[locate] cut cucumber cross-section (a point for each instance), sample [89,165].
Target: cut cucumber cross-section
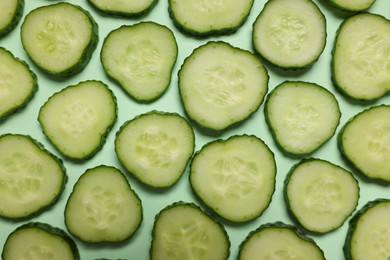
[234,177]
[11,12]
[60,38]
[131,9]
[140,58]
[205,17]
[103,207]
[353,5]
[78,118]
[18,83]
[361,60]
[183,231]
[320,196]
[31,178]
[221,85]
[302,116]
[155,147]
[290,34]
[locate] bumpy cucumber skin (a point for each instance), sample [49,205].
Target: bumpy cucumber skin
[208,206]
[333,73]
[347,9]
[211,32]
[146,114]
[292,68]
[15,19]
[187,204]
[278,225]
[349,160]
[84,58]
[28,98]
[55,231]
[103,136]
[123,13]
[354,221]
[286,199]
[272,131]
[64,180]
[141,101]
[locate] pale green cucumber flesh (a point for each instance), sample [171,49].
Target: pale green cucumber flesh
[353,5]
[130,9]
[11,12]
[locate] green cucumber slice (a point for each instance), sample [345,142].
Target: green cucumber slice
[78,118]
[320,195]
[31,178]
[360,60]
[155,147]
[140,58]
[205,18]
[59,38]
[353,5]
[11,12]
[130,9]
[221,85]
[103,207]
[367,236]
[18,84]
[364,142]
[279,241]
[38,241]
[290,34]
[234,177]
[183,231]
[302,116]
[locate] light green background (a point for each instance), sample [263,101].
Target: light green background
[25,122]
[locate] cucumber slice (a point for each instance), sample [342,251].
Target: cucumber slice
[18,84]
[367,236]
[302,116]
[78,118]
[103,207]
[234,177]
[221,85]
[140,58]
[11,12]
[364,142]
[290,34]
[31,178]
[183,231]
[279,241]
[37,241]
[320,196]
[155,147]
[205,18]
[59,38]
[130,9]
[360,61]
[353,5]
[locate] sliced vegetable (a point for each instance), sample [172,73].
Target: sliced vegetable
[368,233]
[320,195]
[140,58]
[279,241]
[290,34]
[131,9]
[37,241]
[103,207]
[11,12]
[234,177]
[155,147]
[78,118]
[221,85]
[302,116]
[59,38]
[364,142]
[18,84]
[31,178]
[353,5]
[205,18]
[360,61]
[183,231]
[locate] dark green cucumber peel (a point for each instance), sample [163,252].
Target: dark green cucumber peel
[15,19]
[125,14]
